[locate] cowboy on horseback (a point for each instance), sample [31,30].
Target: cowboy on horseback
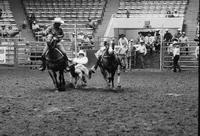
[98,55]
[54,34]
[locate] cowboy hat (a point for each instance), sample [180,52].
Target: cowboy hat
[81,52]
[58,20]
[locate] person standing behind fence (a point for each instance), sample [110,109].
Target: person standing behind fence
[149,42]
[184,42]
[178,34]
[129,54]
[141,51]
[170,49]
[167,37]
[176,56]
[140,37]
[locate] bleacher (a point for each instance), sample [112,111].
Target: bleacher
[71,11]
[151,8]
[7,18]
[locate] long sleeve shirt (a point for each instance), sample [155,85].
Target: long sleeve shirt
[123,41]
[81,60]
[141,49]
[176,51]
[183,39]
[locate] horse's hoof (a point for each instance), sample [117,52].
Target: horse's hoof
[119,86]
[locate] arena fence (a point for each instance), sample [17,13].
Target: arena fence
[20,54]
[17,53]
[187,61]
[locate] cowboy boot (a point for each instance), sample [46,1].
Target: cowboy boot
[43,65]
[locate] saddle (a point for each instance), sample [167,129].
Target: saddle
[54,55]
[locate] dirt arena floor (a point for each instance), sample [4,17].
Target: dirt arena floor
[150,104]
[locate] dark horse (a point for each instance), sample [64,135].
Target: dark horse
[56,63]
[110,63]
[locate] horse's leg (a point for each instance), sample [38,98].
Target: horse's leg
[53,78]
[105,76]
[118,76]
[112,79]
[56,81]
[62,80]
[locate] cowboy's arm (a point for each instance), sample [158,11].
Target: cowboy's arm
[120,42]
[82,61]
[145,50]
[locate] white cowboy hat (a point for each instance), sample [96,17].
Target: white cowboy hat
[81,52]
[58,20]
[166,29]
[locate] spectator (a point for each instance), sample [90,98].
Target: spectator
[140,37]
[157,43]
[123,41]
[72,39]
[184,42]
[176,56]
[80,35]
[35,27]
[32,19]
[167,37]
[171,48]
[178,34]
[3,32]
[127,13]
[86,39]
[91,38]
[92,23]
[11,32]
[129,53]
[1,12]
[149,42]
[176,13]
[24,24]
[141,51]
[169,13]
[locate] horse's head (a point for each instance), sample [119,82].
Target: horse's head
[109,48]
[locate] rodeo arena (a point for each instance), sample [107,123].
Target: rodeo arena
[99,67]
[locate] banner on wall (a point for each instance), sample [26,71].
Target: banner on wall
[2,55]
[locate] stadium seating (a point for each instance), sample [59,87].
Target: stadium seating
[7,16]
[151,8]
[71,11]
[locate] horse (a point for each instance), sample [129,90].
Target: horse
[56,63]
[109,64]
